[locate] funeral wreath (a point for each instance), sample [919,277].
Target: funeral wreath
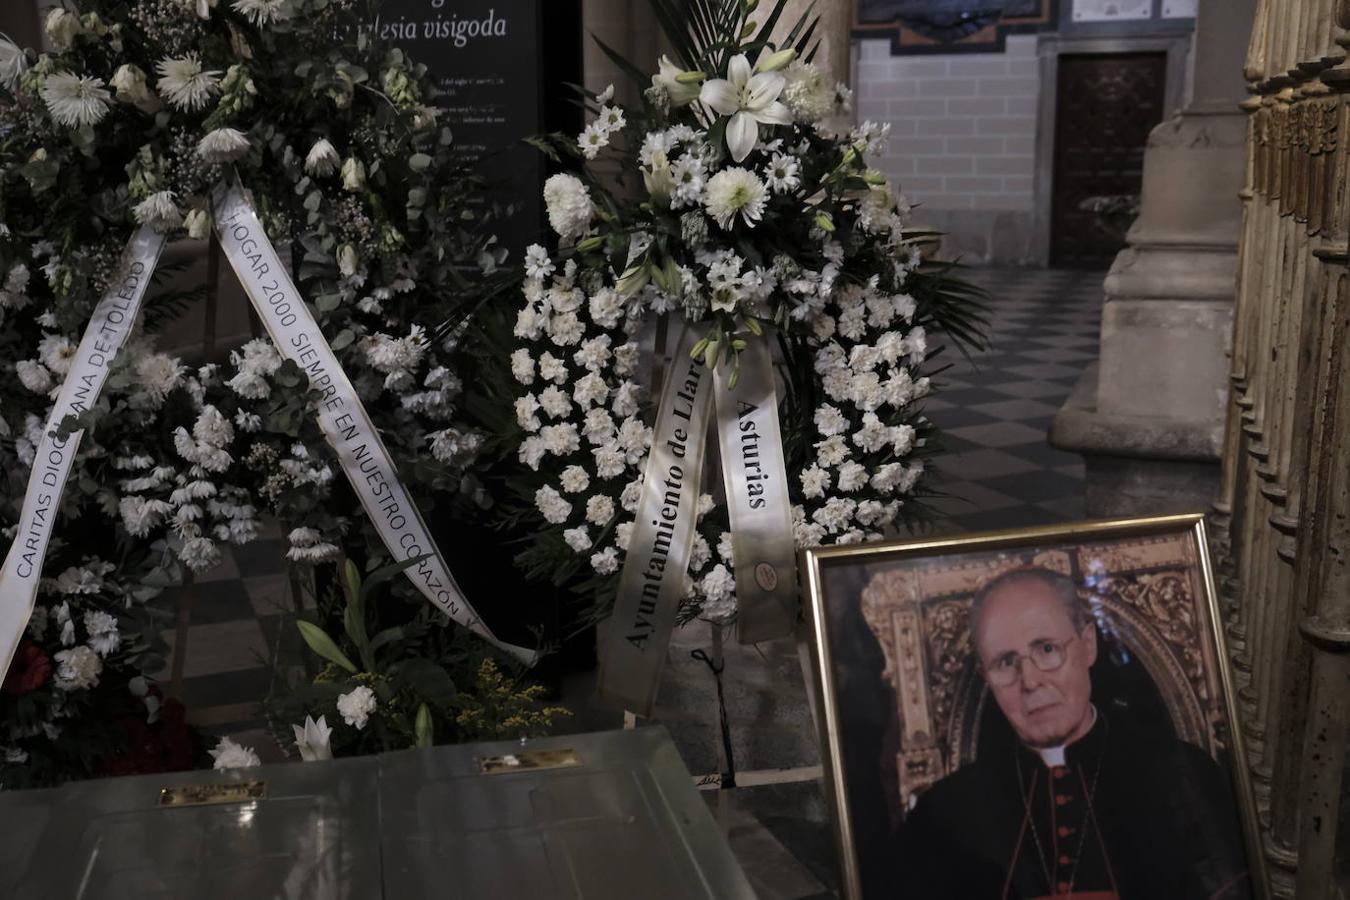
[759,229]
[119,139]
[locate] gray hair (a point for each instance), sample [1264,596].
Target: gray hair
[1062,586]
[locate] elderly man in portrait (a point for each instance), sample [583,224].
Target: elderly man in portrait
[1085,803]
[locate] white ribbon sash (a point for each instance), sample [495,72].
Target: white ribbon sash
[107,331]
[655,567]
[757,497]
[342,418]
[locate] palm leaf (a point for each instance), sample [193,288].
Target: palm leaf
[632,71]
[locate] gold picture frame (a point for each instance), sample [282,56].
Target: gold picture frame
[1157,657]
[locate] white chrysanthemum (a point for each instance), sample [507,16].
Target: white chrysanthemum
[808,92]
[593,139]
[569,205]
[34,375]
[13,63]
[259,12]
[356,706]
[157,374]
[611,118]
[75,100]
[77,668]
[185,85]
[322,159]
[253,363]
[140,514]
[223,145]
[307,545]
[159,212]
[732,192]
[783,174]
[229,755]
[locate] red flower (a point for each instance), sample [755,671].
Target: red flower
[29,671]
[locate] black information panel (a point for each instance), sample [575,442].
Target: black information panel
[485,56]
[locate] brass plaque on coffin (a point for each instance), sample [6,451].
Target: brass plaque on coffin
[202,794]
[528,761]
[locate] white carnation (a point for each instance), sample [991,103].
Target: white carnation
[830,421]
[815,481]
[561,440]
[77,668]
[606,562]
[356,706]
[852,477]
[569,206]
[34,376]
[522,366]
[552,506]
[104,636]
[578,538]
[599,510]
[574,479]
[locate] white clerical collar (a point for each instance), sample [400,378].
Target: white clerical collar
[1055,756]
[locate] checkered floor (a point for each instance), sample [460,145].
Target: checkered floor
[994,410]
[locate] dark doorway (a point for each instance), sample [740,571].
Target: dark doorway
[1107,105]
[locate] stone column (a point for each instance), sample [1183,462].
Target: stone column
[1149,418]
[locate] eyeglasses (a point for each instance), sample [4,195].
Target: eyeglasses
[1045,655]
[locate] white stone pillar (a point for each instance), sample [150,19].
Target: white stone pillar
[1149,417]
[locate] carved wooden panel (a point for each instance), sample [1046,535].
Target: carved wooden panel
[1107,105]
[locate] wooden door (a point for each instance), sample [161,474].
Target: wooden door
[1107,105]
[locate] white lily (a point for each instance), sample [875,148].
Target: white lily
[312,740]
[681,93]
[750,99]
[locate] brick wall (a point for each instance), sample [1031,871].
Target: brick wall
[963,140]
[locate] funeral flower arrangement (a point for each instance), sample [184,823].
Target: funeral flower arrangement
[757,216]
[401,686]
[142,109]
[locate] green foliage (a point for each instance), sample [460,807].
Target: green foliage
[430,685]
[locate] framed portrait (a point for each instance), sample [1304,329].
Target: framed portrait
[1038,713]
